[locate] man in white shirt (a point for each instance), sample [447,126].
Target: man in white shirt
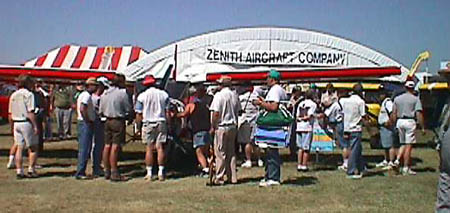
[271,103]
[354,116]
[388,135]
[247,126]
[25,130]
[224,119]
[305,123]
[151,108]
[86,117]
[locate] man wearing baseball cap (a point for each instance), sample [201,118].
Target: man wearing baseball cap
[86,117]
[271,103]
[407,108]
[224,119]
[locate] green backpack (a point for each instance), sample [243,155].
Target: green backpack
[280,118]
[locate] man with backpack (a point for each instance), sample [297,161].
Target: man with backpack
[388,135]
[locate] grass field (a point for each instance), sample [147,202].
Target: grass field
[324,189]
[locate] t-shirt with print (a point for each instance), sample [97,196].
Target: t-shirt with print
[306,107]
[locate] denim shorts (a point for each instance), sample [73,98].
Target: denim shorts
[304,140]
[201,138]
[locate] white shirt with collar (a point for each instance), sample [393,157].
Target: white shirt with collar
[226,103]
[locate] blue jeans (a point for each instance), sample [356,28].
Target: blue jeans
[99,143]
[273,165]
[355,160]
[85,136]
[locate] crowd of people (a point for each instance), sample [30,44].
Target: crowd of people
[225,120]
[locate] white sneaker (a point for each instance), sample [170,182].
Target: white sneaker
[247,164]
[408,171]
[355,177]
[260,163]
[383,163]
[301,168]
[11,165]
[268,183]
[342,167]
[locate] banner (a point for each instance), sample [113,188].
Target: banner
[301,57]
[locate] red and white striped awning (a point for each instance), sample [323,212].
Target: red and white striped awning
[88,58]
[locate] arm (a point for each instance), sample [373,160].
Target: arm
[187,111]
[214,121]
[269,106]
[419,116]
[84,113]
[32,118]
[11,123]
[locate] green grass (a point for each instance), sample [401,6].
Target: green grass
[322,190]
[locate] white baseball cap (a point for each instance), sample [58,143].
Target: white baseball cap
[410,84]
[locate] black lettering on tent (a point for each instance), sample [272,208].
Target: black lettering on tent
[271,57]
[209,57]
[310,57]
[224,56]
[329,58]
[301,57]
[249,58]
[239,57]
[257,57]
[216,55]
[279,58]
[265,57]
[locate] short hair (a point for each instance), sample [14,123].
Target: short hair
[24,80]
[117,80]
[309,94]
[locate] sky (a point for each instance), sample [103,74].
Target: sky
[399,29]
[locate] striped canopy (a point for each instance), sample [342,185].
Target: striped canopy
[88,58]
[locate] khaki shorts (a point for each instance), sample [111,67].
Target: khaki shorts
[24,134]
[406,131]
[154,132]
[246,132]
[115,131]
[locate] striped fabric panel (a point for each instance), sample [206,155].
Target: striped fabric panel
[116,57]
[125,56]
[51,56]
[70,57]
[135,53]
[88,58]
[40,60]
[31,63]
[79,58]
[62,53]
[98,58]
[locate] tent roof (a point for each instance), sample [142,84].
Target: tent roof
[189,51]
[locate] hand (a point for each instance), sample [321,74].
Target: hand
[211,131]
[35,130]
[259,101]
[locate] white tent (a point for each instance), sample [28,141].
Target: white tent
[259,47]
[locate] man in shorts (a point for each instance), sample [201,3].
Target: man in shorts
[247,126]
[388,135]
[199,117]
[115,106]
[407,108]
[152,110]
[25,129]
[305,122]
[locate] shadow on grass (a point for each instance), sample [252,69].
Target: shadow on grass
[301,181]
[57,174]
